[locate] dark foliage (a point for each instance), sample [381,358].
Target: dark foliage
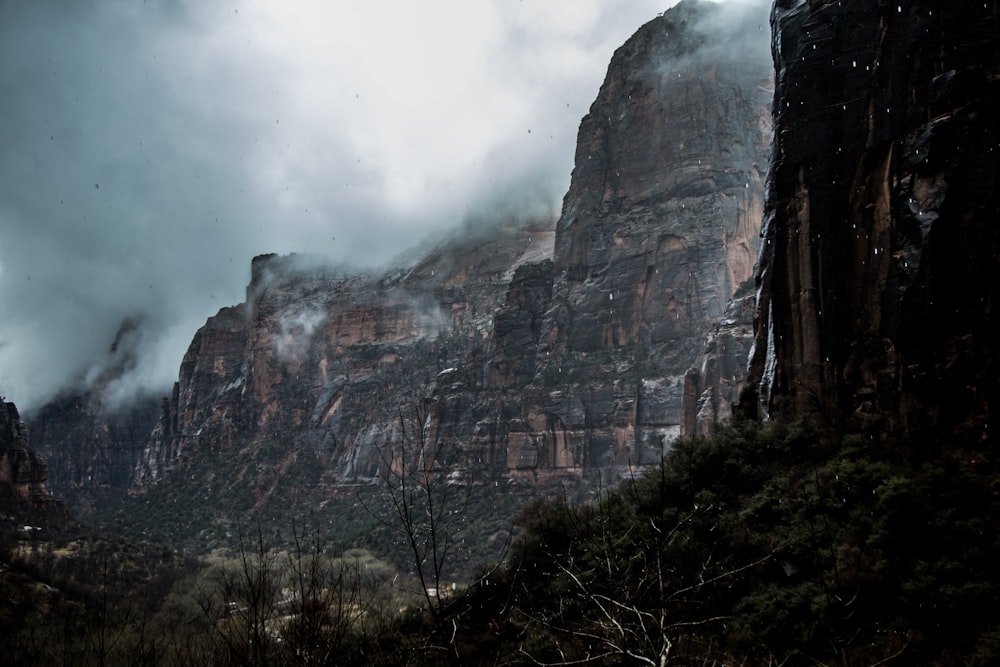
[755,546]
[761,546]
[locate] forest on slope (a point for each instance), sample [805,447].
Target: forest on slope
[755,545]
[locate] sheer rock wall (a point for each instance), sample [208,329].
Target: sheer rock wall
[881,263]
[22,472]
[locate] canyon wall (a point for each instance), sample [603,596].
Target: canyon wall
[881,262]
[523,353]
[22,472]
[324,365]
[518,366]
[658,230]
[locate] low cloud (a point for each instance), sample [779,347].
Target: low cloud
[295,332]
[741,31]
[732,33]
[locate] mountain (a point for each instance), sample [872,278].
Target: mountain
[658,230]
[881,263]
[325,364]
[89,440]
[854,519]
[528,354]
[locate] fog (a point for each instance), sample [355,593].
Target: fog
[151,149]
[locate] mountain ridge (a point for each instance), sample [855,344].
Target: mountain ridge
[531,353]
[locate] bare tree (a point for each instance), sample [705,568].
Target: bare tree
[299,606]
[427,503]
[622,599]
[330,600]
[422,505]
[241,607]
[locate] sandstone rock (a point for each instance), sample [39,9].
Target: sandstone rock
[325,365]
[660,224]
[714,385]
[91,438]
[22,472]
[881,257]
[534,351]
[517,326]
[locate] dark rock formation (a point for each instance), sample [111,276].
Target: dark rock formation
[90,447]
[517,326]
[22,472]
[91,438]
[881,262]
[714,385]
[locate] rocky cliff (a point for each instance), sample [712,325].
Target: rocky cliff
[881,263]
[714,385]
[323,364]
[530,352]
[658,230]
[91,439]
[584,361]
[22,473]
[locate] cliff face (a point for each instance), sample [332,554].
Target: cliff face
[715,383]
[90,447]
[322,366]
[529,352]
[22,473]
[661,222]
[524,367]
[89,439]
[881,262]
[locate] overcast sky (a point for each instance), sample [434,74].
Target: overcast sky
[150,149]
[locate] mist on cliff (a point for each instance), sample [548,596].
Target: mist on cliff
[151,149]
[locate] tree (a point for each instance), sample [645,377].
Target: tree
[241,606]
[330,602]
[427,501]
[611,581]
[422,505]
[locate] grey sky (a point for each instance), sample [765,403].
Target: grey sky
[150,149]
